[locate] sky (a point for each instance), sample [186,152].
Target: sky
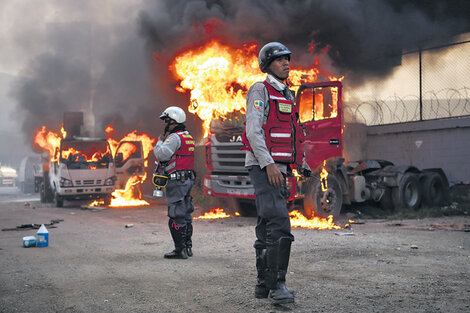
[66,55]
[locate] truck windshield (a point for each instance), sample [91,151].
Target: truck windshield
[233,122]
[85,154]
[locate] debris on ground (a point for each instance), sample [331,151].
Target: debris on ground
[395,224]
[345,234]
[93,208]
[34,226]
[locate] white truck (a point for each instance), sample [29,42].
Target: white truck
[84,169]
[8,176]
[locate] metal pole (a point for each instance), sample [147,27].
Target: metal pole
[420,85]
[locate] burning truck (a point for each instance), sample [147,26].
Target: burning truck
[100,169]
[333,182]
[217,97]
[78,167]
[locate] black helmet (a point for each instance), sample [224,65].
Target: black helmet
[270,52]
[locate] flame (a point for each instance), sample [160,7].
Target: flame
[131,195]
[299,220]
[48,141]
[218,77]
[147,143]
[319,103]
[127,196]
[296,174]
[214,214]
[323,178]
[63,132]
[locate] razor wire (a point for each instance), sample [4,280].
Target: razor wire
[445,103]
[438,88]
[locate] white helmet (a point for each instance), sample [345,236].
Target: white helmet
[174,113]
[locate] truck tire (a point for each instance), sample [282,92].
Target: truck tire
[59,201]
[106,200]
[323,204]
[246,207]
[42,193]
[432,189]
[408,193]
[386,202]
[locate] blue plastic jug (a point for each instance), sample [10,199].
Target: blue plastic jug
[43,237]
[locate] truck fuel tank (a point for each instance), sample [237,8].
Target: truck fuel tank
[359,190]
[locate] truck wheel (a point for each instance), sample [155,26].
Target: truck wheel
[246,207]
[59,201]
[106,200]
[323,204]
[42,193]
[408,194]
[432,189]
[386,202]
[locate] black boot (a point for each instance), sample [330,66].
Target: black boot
[278,255]
[261,291]
[189,242]
[179,238]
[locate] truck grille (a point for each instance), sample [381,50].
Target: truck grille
[227,156]
[88,182]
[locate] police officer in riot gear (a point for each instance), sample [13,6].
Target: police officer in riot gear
[272,138]
[175,153]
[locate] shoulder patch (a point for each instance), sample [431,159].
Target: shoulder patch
[258,104]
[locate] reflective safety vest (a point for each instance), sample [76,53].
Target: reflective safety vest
[284,136]
[183,159]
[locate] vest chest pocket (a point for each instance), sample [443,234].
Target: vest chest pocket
[285,108]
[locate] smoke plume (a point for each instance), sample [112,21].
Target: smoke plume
[114,59]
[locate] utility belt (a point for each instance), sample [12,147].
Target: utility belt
[182,175]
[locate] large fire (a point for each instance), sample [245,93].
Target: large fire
[214,213]
[147,143]
[131,194]
[49,141]
[218,77]
[297,219]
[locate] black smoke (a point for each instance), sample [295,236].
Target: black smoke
[121,70]
[362,38]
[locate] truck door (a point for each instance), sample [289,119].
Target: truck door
[129,160]
[320,115]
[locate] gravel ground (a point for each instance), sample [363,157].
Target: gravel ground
[95,264]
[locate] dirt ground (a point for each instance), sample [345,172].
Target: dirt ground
[95,264]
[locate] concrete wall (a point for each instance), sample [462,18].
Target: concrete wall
[427,144]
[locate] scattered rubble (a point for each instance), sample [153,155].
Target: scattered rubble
[34,226]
